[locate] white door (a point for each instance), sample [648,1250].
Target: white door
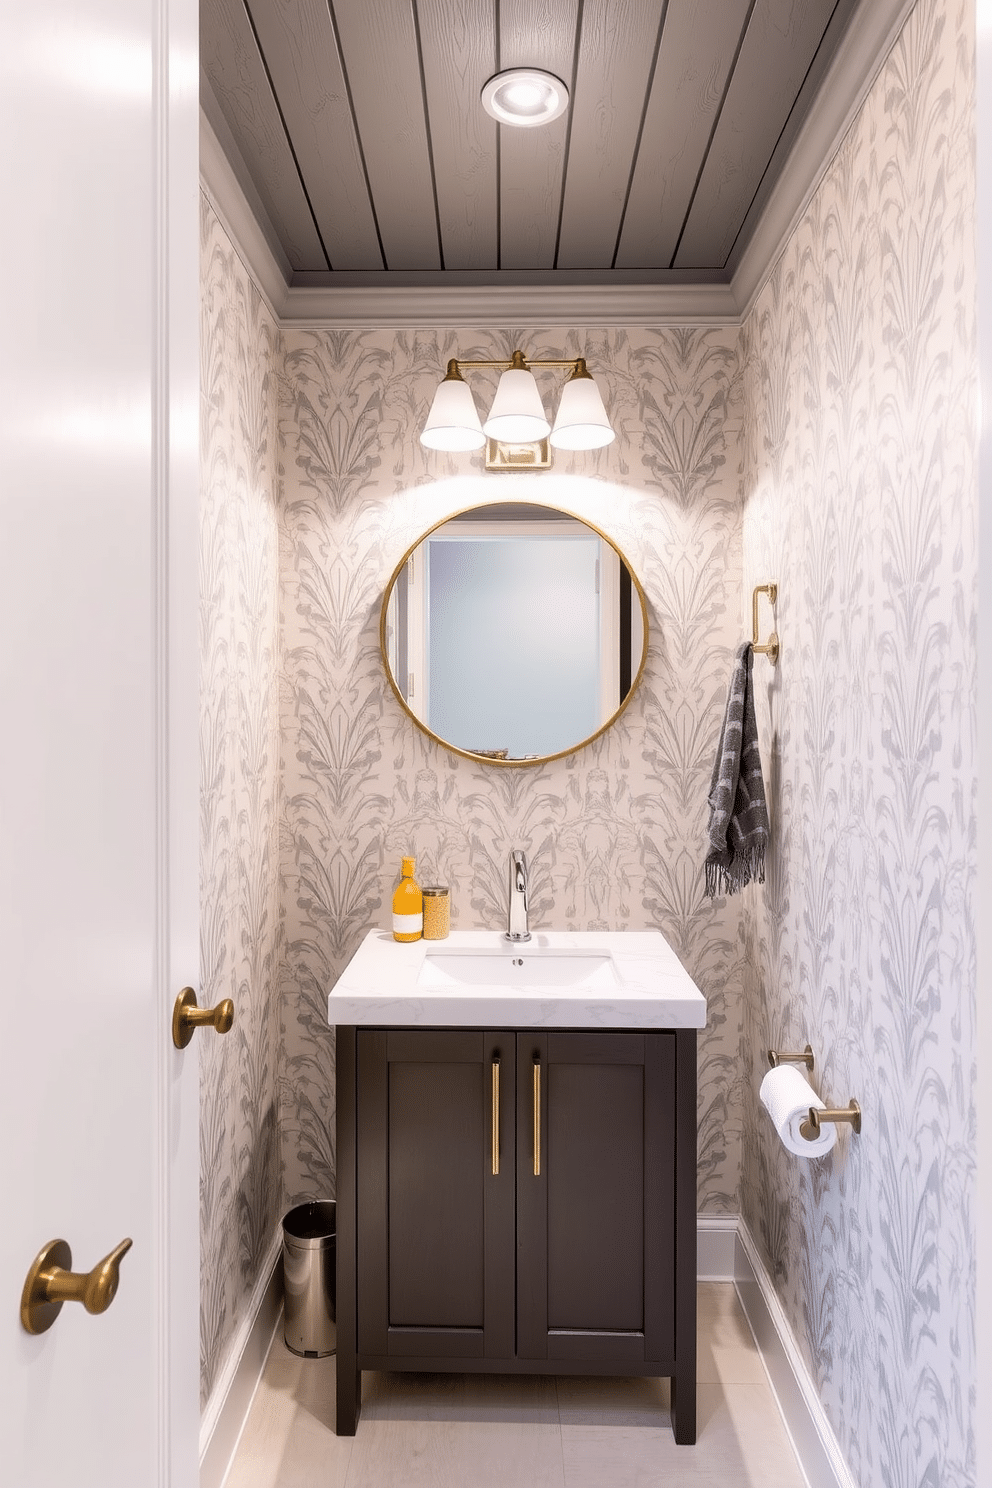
[98,699]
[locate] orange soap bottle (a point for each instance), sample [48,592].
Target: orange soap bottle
[408,905]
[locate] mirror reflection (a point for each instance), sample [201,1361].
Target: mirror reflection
[513,632]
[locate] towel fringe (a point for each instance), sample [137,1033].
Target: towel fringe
[743,868]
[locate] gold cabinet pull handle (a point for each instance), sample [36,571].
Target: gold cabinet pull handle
[537,1115]
[187,1017]
[50,1283]
[495,1115]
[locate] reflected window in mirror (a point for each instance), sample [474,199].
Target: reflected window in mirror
[514,632]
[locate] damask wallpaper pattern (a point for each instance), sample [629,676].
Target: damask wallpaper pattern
[860,487]
[828,445]
[612,834]
[240,1181]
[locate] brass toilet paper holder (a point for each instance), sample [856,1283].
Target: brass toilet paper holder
[778,1056]
[810,1128]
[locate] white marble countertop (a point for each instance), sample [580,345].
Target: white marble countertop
[619,979]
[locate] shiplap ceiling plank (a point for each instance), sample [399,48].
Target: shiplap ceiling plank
[381,60]
[459,45]
[698,46]
[231,61]
[616,50]
[781,41]
[531,161]
[300,51]
[840,23]
[361,126]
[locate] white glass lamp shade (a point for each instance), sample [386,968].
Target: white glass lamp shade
[581,423]
[453,422]
[517,415]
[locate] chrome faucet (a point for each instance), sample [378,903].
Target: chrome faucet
[516,928]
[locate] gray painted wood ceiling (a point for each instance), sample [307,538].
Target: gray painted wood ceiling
[360,125]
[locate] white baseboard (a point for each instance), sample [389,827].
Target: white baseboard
[805,1420]
[716,1247]
[725,1252]
[226,1410]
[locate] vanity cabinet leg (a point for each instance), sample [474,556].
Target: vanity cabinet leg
[684,1410]
[349,1376]
[349,1398]
[684,1379]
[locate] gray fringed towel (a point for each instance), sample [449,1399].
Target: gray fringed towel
[738,830]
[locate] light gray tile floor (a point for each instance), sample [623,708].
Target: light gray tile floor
[517,1431]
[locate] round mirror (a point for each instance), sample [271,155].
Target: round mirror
[513,633]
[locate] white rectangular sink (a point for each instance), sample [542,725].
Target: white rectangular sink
[518,968]
[479,979]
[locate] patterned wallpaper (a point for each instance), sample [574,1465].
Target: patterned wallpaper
[861,501]
[240,1184]
[842,414]
[613,835]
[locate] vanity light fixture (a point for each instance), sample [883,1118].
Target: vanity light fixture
[525,97]
[517,415]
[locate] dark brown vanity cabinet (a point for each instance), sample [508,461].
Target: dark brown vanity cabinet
[516,1200]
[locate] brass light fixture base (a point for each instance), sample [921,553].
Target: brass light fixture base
[500,456]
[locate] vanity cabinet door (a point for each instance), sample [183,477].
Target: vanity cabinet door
[596,1197]
[435,1221]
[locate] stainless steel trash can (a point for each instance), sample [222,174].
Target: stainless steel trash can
[308,1260]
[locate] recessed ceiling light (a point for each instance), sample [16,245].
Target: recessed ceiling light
[525,97]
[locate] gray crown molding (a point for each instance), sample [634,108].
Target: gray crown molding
[387,301]
[857,62]
[457,305]
[225,181]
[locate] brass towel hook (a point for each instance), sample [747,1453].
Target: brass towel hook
[771,647]
[50,1283]
[187,1017]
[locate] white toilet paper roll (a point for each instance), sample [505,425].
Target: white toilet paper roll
[787,1097]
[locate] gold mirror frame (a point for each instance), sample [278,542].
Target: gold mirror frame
[483,759]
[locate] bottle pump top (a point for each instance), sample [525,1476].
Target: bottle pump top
[407,867]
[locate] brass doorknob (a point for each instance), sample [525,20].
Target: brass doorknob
[187,1017]
[50,1283]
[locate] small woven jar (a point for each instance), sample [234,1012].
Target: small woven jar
[437,912]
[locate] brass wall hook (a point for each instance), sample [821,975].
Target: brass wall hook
[771,647]
[778,1056]
[810,1128]
[50,1283]
[187,1017]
